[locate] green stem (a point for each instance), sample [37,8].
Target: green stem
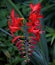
[14,6]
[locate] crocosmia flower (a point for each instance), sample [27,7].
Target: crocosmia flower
[36,7]
[34,24]
[15,23]
[26,43]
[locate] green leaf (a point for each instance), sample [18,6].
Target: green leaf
[54,51]
[48,35]
[44,43]
[23,63]
[7,54]
[38,59]
[48,29]
[52,39]
[2,45]
[3,22]
[47,7]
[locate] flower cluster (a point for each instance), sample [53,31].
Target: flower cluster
[16,23]
[33,25]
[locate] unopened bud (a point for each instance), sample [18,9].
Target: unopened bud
[23,52]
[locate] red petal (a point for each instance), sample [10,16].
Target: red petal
[31,6]
[33,42]
[36,7]
[32,47]
[21,49]
[33,38]
[14,29]
[20,46]
[15,38]
[12,13]
[19,42]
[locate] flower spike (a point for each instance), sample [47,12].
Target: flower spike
[26,44]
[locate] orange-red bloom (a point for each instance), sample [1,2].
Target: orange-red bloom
[36,7]
[35,16]
[34,24]
[16,23]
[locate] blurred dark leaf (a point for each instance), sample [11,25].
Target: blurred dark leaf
[7,54]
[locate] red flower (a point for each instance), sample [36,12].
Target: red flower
[35,16]
[34,25]
[36,32]
[36,7]
[33,42]
[32,47]
[31,30]
[18,43]
[16,38]
[32,38]
[37,36]
[16,23]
